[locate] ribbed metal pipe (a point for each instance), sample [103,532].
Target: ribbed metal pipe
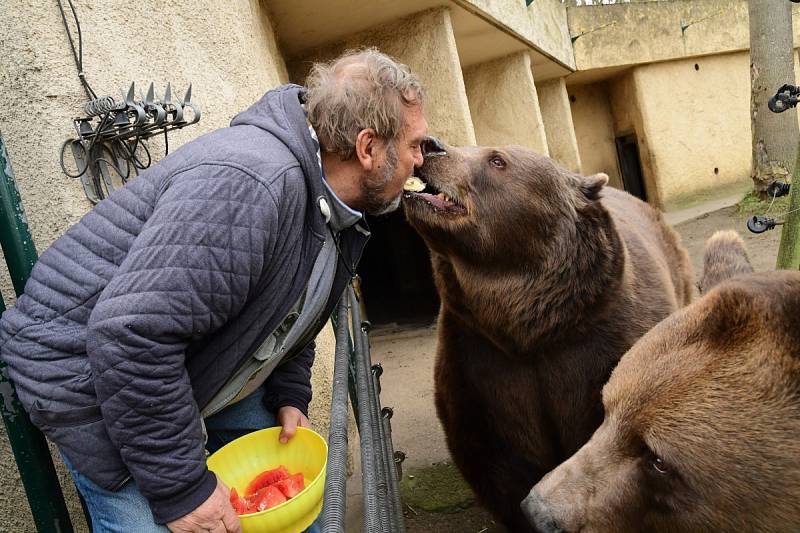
[365,424]
[335,502]
[381,470]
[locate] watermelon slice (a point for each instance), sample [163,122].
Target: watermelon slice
[267,498]
[266,478]
[239,504]
[291,486]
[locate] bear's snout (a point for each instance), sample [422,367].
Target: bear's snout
[538,514]
[432,147]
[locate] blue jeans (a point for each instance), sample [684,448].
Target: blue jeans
[127,511]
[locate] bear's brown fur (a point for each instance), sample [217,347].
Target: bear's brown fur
[702,424]
[724,256]
[546,278]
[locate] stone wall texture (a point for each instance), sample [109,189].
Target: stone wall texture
[503,103]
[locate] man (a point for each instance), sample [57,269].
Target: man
[195,292]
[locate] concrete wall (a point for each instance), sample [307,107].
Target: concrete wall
[227,50]
[635,33]
[627,114]
[503,103]
[696,121]
[543,23]
[690,118]
[559,128]
[594,130]
[426,44]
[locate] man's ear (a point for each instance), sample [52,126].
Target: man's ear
[592,185]
[366,144]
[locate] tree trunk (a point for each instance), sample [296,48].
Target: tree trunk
[771,65]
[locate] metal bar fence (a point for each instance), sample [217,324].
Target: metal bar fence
[380,479]
[28,444]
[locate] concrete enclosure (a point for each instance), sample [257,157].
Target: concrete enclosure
[558,126]
[504,104]
[655,94]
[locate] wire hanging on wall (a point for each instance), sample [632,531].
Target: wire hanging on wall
[111,138]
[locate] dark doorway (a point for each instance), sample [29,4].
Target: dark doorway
[396,276]
[630,165]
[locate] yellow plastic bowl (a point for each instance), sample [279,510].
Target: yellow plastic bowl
[238,462]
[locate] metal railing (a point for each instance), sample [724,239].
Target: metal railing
[28,444]
[380,478]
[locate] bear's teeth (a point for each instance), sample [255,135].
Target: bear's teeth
[440,196]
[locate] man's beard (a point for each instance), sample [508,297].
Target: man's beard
[374,185]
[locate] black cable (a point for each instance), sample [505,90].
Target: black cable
[137,163]
[64,166]
[77,55]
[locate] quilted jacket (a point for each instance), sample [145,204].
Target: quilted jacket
[137,315]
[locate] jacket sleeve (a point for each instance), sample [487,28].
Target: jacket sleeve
[290,383]
[188,272]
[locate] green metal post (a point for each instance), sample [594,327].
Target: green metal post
[28,444]
[789,249]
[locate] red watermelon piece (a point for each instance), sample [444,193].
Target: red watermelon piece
[267,498]
[291,486]
[266,478]
[239,504]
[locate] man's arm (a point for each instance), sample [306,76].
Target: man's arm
[289,385]
[187,273]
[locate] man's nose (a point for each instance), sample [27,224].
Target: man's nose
[432,147]
[538,514]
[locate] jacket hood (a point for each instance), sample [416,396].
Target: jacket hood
[280,113]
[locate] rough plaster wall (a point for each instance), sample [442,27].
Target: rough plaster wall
[594,130]
[503,103]
[696,121]
[226,49]
[559,128]
[425,43]
[627,34]
[627,114]
[543,23]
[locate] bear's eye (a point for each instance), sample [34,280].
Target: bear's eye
[497,161]
[658,464]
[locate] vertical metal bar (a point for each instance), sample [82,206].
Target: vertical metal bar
[377,438]
[368,467]
[789,249]
[28,444]
[15,236]
[335,500]
[392,477]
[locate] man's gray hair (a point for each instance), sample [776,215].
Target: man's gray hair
[361,89]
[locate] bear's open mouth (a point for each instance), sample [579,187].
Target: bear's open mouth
[439,200]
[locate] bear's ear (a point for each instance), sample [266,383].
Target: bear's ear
[592,185]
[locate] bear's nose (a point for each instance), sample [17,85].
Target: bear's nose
[538,514]
[431,147]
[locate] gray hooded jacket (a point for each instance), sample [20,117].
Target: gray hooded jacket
[135,318]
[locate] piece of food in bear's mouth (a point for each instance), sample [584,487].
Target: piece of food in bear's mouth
[414,184]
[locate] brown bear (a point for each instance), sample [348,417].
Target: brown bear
[702,423]
[546,278]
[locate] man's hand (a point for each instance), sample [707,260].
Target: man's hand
[290,418]
[215,515]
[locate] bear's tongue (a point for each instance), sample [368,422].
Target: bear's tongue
[440,201]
